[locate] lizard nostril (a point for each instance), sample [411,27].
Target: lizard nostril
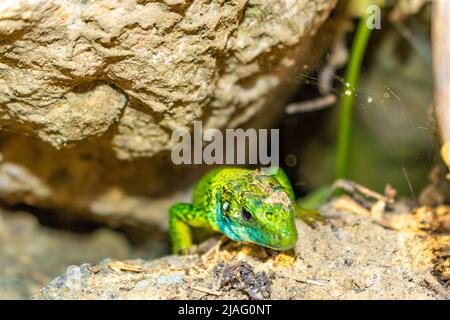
[278,237]
[269,215]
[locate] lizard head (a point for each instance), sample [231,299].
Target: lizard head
[257,209]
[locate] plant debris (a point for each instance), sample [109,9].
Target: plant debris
[241,276]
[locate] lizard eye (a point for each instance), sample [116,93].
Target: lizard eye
[246,215]
[226,207]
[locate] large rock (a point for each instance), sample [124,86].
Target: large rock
[113,79]
[72,69]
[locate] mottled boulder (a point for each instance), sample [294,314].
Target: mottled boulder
[90,91]
[71,70]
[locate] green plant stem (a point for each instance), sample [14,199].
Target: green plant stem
[346,104]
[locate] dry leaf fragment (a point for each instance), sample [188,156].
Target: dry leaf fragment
[206,290]
[345,203]
[119,266]
[95,269]
[316,282]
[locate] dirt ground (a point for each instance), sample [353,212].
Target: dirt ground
[354,254]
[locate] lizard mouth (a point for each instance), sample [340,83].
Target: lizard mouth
[284,240]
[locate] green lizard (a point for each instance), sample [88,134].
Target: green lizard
[245,205]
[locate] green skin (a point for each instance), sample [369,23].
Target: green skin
[245,205]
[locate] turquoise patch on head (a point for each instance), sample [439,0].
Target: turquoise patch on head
[223,222]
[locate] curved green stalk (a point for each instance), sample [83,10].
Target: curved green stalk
[348,94]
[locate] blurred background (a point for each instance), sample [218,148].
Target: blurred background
[99,186]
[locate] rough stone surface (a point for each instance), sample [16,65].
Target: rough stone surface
[90,91]
[71,69]
[350,256]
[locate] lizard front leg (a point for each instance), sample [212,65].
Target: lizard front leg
[183,217]
[180,232]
